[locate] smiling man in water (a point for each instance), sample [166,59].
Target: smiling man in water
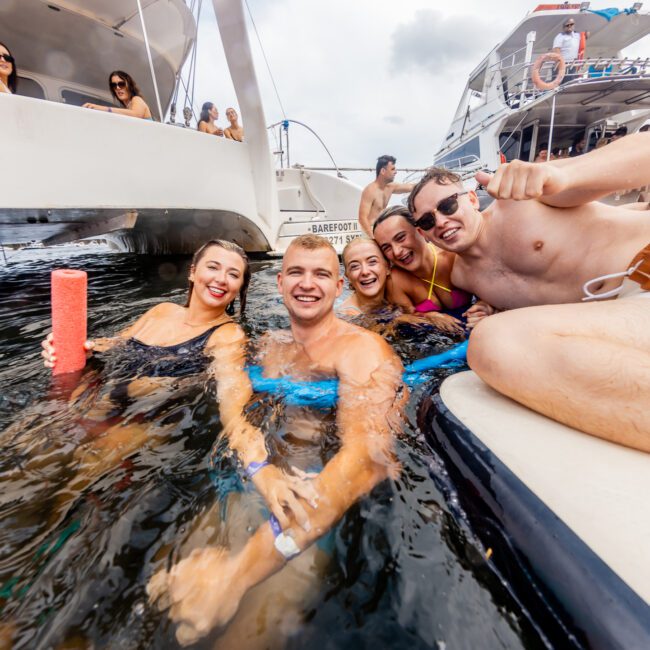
[205,589]
[547,245]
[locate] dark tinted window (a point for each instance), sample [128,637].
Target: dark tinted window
[464,155]
[509,144]
[79,99]
[29,88]
[526,141]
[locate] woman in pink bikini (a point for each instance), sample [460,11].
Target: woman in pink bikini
[420,279]
[369,275]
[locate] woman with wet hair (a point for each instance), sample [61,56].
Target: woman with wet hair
[127,94]
[7,71]
[159,356]
[209,115]
[369,275]
[367,270]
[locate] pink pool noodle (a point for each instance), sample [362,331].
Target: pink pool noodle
[69,319]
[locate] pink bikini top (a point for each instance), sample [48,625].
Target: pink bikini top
[459,298]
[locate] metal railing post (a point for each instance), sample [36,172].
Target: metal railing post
[153,72]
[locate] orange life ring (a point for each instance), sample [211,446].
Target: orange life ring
[539,61]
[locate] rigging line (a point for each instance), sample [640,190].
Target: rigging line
[268,67]
[198,17]
[186,94]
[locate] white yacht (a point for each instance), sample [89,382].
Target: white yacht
[505,115]
[74,173]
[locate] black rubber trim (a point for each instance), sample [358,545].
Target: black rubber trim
[601,605]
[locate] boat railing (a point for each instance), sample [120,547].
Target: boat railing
[459,163]
[519,90]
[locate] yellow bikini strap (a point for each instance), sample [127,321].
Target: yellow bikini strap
[433,275]
[432,283]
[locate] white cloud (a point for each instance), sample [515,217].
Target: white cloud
[369,76]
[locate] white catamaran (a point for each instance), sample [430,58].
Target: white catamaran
[148,186]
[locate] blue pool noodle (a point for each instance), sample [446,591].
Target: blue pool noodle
[324,393]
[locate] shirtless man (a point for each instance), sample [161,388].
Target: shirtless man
[205,589]
[546,245]
[375,196]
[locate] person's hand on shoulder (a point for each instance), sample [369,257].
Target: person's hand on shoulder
[49,350]
[520,180]
[284,494]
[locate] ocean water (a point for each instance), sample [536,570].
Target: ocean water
[404,568]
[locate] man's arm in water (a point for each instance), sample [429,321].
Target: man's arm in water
[365,208]
[622,165]
[234,390]
[370,377]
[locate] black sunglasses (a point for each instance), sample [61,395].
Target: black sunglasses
[7,57]
[118,84]
[447,207]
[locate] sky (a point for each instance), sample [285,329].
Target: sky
[370,77]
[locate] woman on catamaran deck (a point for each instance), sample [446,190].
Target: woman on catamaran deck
[235,131]
[209,115]
[8,72]
[126,92]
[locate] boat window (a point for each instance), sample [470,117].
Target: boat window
[29,88]
[463,155]
[526,143]
[79,99]
[509,144]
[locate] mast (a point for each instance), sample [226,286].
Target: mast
[234,36]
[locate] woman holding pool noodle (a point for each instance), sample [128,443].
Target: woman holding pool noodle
[170,343]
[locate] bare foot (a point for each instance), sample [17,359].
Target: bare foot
[203,591]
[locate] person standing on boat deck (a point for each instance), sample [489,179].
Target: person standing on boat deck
[7,71]
[567,43]
[548,246]
[126,92]
[376,195]
[209,115]
[235,131]
[205,589]
[420,277]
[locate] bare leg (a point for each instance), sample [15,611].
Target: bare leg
[585,365]
[275,609]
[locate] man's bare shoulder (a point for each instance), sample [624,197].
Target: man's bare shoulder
[359,352]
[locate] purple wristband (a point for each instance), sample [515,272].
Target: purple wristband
[255,467]
[275,525]
[110,110]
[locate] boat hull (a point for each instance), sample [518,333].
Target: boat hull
[561,510]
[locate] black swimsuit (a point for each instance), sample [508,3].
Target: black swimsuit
[180,360]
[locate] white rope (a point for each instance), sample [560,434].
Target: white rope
[268,67]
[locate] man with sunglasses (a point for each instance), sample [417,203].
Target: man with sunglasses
[376,195]
[567,43]
[548,246]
